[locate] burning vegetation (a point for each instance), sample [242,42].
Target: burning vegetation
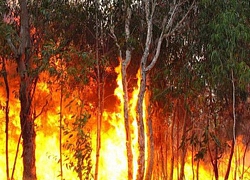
[137,90]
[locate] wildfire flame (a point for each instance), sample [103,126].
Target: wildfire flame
[113,156]
[113,160]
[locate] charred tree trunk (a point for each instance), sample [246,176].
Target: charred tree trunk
[244,158]
[177,141]
[230,160]
[27,128]
[60,129]
[16,155]
[215,164]
[183,147]
[197,169]
[171,176]
[99,112]
[26,92]
[214,160]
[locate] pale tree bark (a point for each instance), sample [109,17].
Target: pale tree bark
[124,65]
[150,142]
[169,26]
[234,128]
[26,92]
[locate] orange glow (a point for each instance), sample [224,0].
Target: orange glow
[113,159]
[113,156]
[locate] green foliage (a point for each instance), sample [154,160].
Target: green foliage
[7,31]
[78,144]
[224,37]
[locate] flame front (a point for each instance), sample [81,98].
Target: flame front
[113,156]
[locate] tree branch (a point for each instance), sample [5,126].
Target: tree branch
[149,18]
[127,32]
[166,31]
[42,110]
[112,31]
[178,25]
[12,47]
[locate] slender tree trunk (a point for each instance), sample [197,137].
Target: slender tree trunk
[124,64]
[183,158]
[230,160]
[4,72]
[171,176]
[234,132]
[16,155]
[60,130]
[193,162]
[216,170]
[197,169]
[99,111]
[26,93]
[127,122]
[193,172]
[214,161]
[161,160]
[99,119]
[150,144]
[140,124]
[166,147]
[141,94]
[177,141]
[244,158]
[213,155]
[149,171]
[183,147]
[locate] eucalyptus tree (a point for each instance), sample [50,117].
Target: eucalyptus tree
[175,86]
[23,56]
[73,41]
[4,54]
[34,32]
[159,22]
[223,45]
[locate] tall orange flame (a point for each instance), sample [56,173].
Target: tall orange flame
[113,156]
